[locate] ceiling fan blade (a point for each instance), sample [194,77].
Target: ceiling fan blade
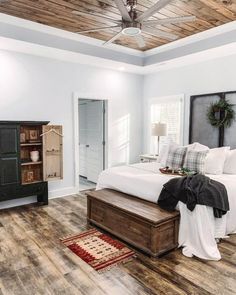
[123,10]
[159,33]
[116,36]
[97,29]
[76,12]
[172,20]
[140,41]
[152,10]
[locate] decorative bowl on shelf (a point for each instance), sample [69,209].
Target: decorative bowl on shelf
[34,156]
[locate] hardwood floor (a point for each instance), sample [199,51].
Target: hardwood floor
[33,261]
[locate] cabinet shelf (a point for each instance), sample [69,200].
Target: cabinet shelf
[36,181]
[54,177]
[31,144]
[52,153]
[31,163]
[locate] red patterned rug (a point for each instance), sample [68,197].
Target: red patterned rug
[97,249]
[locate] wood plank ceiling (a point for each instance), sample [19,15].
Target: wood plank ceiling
[58,13]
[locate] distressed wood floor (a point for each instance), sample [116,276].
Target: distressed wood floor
[33,261]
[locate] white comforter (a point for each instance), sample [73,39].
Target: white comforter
[198,229]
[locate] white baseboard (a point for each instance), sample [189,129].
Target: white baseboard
[63,192]
[51,195]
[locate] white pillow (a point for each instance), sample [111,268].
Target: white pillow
[165,151]
[215,160]
[200,147]
[230,162]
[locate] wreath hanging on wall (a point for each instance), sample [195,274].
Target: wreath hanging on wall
[221,114]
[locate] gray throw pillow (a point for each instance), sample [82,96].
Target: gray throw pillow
[176,157]
[195,161]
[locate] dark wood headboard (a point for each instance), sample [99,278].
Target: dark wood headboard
[200,130]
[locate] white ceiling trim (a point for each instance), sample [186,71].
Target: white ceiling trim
[24,36]
[194,58]
[69,56]
[193,38]
[14,45]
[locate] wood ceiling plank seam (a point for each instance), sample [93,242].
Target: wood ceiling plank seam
[71,15]
[168,13]
[206,22]
[200,19]
[203,10]
[188,25]
[219,8]
[194,24]
[163,15]
[84,21]
[177,27]
[28,14]
[70,8]
[59,25]
[111,12]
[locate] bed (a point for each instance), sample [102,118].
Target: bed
[199,229]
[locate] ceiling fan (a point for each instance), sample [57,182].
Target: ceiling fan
[133,24]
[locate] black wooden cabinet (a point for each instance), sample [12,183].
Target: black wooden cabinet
[19,176]
[9,155]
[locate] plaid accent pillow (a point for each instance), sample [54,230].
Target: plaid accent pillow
[176,157]
[195,161]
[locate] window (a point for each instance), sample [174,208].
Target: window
[167,110]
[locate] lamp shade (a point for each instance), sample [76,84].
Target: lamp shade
[159,129]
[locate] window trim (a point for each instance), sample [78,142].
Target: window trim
[164,99]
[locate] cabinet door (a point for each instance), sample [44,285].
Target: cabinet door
[9,155]
[9,140]
[9,171]
[52,152]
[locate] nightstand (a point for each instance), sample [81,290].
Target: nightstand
[148,158]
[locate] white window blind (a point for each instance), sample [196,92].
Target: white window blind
[169,111]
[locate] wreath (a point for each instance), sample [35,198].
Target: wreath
[221,114]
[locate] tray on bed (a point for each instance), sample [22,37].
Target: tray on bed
[182,172]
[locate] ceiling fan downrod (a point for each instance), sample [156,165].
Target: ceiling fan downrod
[131,5]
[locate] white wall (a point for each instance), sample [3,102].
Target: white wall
[206,77]
[37,88]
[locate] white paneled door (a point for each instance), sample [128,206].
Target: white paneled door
[91,114]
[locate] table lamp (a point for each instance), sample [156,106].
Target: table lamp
[159,129]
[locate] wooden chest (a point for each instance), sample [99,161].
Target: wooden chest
[140,223]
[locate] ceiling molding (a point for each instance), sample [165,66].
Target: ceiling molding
[32,38]
[193,38]
[29,48]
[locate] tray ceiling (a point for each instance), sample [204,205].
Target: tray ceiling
[59,14]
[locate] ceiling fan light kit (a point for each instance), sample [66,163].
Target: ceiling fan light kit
[132,24]
[131,29]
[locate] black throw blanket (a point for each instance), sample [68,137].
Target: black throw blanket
[193,190]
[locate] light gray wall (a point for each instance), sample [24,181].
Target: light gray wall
[37,88]
[204,77]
